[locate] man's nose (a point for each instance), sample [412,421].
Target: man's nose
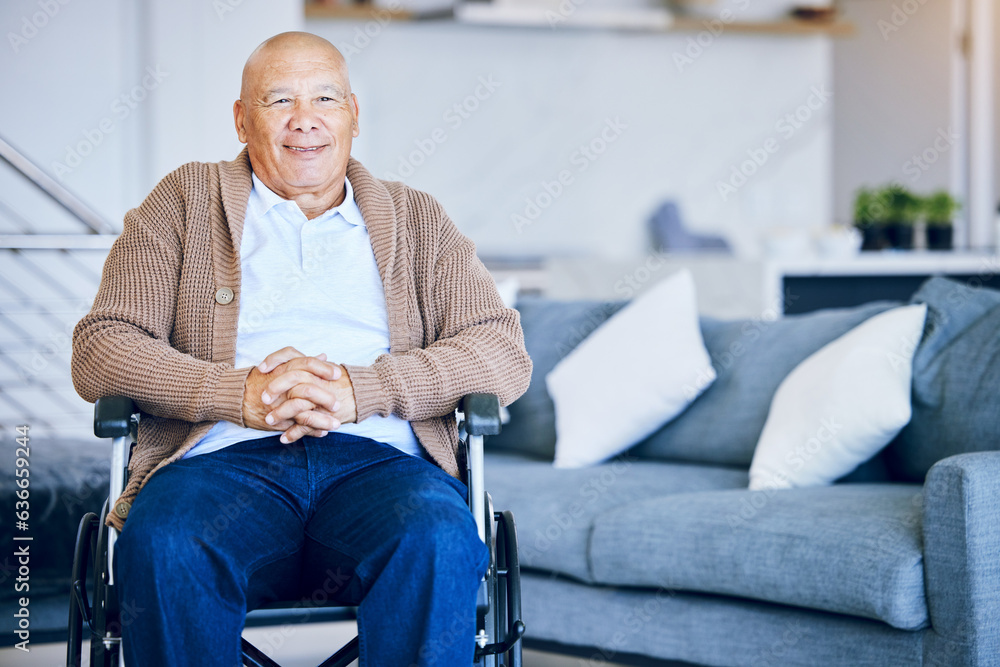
[304,117]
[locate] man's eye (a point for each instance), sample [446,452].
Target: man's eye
[283,100]
[326,99]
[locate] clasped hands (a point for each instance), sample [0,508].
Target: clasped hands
[299,395]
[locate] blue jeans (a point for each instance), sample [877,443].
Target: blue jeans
[340,518]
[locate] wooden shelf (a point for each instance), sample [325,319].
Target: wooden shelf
[485,14]
[785,27]
[355,12]
[541,16]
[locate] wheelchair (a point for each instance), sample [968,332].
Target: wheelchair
[93,597]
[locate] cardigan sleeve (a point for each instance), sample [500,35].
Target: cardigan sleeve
[122,347]
[478,346]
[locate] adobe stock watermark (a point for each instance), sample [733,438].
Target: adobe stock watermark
[752,503]
[908,523]
[561,13]
[632,281]
[750,332]
[901,359]
[364,35]
[227,515]
[920,163]
[454,634]
[255,316]
[121,108]
[582,158]
[899,17]
[331,589]
[699,43]
[563,520]
[776,654]
[455,116]
[786,127]
[30,25]
[223,7]
[127,614]
[635,621]
[415,502]
[804,452]
[961,293]
[7,570]
[585,327]
[58,342]
[91,482]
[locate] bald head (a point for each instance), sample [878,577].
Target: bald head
[287,47]
[298,117]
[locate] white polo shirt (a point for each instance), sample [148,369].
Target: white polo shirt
[313,285]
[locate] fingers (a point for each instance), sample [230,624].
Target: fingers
[288,354]
[297,399]
[313,423]
[318,366]
[275,359]
[305,401]
[306,370]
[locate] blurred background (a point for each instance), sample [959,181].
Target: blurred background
[584,145]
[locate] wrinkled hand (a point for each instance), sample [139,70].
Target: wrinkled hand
[299,395]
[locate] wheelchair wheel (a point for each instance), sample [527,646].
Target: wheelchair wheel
[101,615]
[79,605]
[509,586]
[500,607]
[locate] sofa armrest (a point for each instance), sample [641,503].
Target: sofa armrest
[961,523]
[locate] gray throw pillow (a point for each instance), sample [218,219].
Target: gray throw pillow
[551,330]
[956,379]
[751,358]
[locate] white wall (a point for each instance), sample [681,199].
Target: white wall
[107,96]
[206,43]
[60,82]
[140,87]
[685,129]
[178,66]
[896,81]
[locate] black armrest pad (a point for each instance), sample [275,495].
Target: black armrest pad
[482,414]
[113,416]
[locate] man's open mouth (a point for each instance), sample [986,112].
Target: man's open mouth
[304,149]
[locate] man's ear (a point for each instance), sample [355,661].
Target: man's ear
[354,102]
[239,116]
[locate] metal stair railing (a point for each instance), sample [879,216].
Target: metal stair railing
[53,189]
[47,282]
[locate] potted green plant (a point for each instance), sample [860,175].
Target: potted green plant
[869,219]
[939,212]
[903,211]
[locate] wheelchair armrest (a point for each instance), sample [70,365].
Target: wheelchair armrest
[482,414]
[113,416]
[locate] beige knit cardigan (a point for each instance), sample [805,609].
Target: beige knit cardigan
[158,334]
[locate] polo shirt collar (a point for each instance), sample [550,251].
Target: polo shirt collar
[348,208]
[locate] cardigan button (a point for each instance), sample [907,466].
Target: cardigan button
[122,507]
[224,296]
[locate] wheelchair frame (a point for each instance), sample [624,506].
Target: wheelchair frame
[498,607]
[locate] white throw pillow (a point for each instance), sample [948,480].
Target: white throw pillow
[636,372]
[841,405]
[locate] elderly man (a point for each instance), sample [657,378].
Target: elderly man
[297,335]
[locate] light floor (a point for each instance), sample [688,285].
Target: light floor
[298,646]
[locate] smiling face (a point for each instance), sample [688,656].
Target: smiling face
[298,117]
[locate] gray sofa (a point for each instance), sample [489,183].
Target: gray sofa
[662,555]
